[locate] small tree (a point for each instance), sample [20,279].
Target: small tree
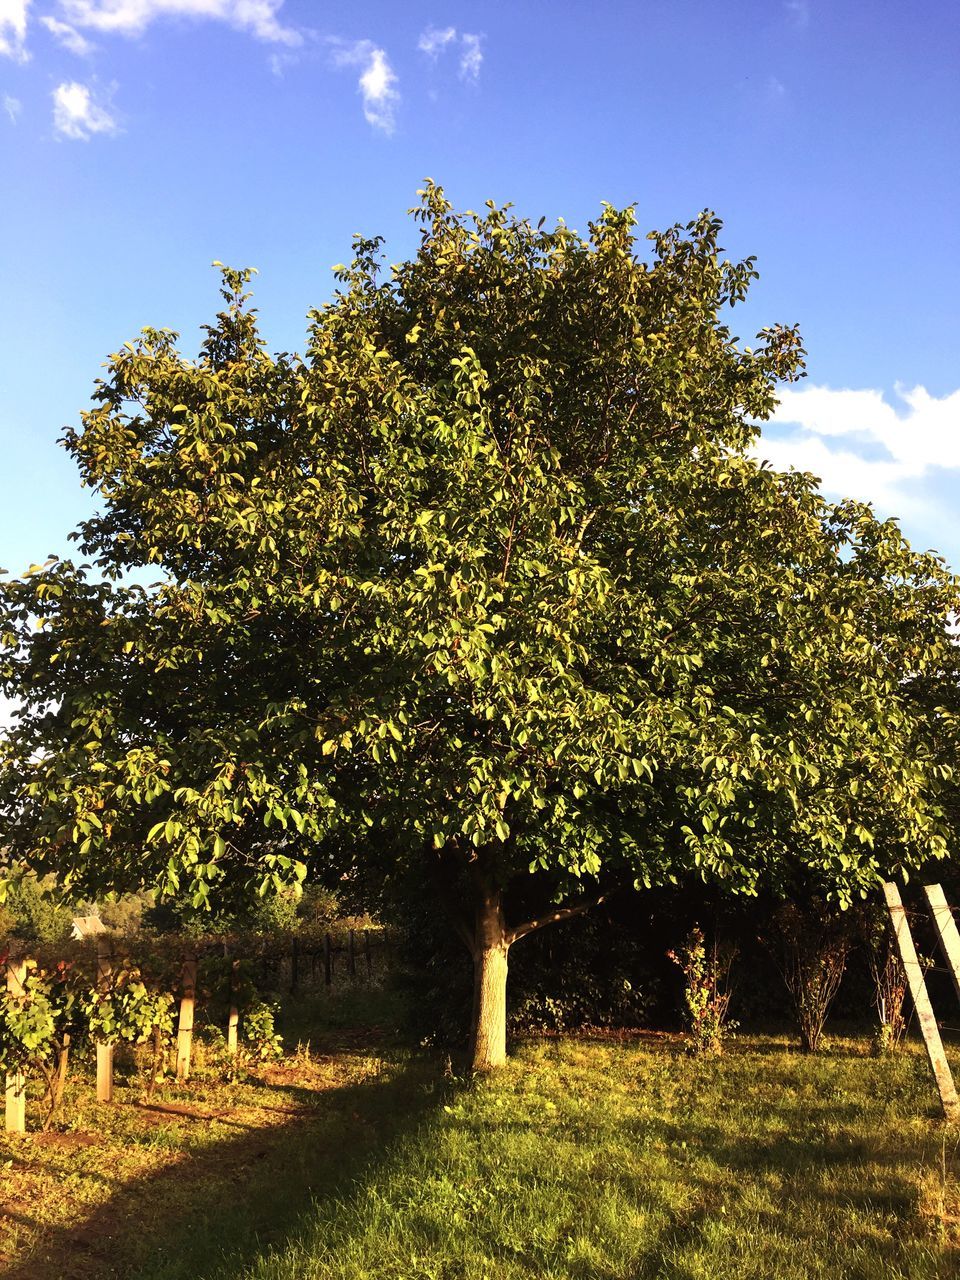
[811,943]
[484,594]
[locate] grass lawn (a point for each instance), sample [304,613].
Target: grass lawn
[589,1157]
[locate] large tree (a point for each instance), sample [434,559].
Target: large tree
[485,589]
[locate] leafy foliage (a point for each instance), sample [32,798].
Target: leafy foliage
[259,1032]
[127,1009]
[39,1018]
[706,993]
[487,585]
[33,909]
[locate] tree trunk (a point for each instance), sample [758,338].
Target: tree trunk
[488,939]
[488,1042]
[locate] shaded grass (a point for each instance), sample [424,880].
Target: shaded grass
[207,1172]
[588,1159]
[604,1161]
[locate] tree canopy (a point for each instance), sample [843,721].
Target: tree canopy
[487,585]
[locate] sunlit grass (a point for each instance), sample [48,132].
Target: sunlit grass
[620,1161]
[592,1159]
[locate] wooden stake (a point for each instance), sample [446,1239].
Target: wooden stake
[185,1025]
[234,1016]
[353,955]
[16,1095]
[104,1050]
[327,961]
[366,951]
[947,930]
[921,1002]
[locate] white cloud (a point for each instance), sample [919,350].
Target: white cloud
[433,41]
[132,17]
[861,446]
[68,36]
[76,115]
[13,29]
[12,106]
[377,83]
[471,57]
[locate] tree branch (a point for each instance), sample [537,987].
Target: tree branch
[553,917]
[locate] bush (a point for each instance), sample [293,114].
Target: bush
[258,1031]
[811,947]
[38,1022]
[888,977]
[706,973]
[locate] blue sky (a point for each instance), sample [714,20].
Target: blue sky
[141,139]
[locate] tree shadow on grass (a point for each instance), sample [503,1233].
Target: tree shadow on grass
[214,1208]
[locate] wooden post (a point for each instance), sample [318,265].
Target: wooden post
[232,1023]
[233,1017]
[327,961]
[353,955]
[16,1085]
[921,1002]
[946,929]
[366,951]
[185,1024]
[104,1049]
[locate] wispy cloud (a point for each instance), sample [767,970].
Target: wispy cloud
[861,446]
[377,83]
[471,57]
[77,115]
[436,40]
[12,106]
[68,36]
[13,29]
[259,18]
[132,17]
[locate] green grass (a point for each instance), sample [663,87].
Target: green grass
[592,1159]
[613,1161]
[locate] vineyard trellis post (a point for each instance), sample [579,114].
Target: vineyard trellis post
[104,1047]
[946,930]
[921,1003]
[233,1013]
[16,1085]
[185,1023]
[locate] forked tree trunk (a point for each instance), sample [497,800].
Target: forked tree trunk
[489,939]
[488,1041]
